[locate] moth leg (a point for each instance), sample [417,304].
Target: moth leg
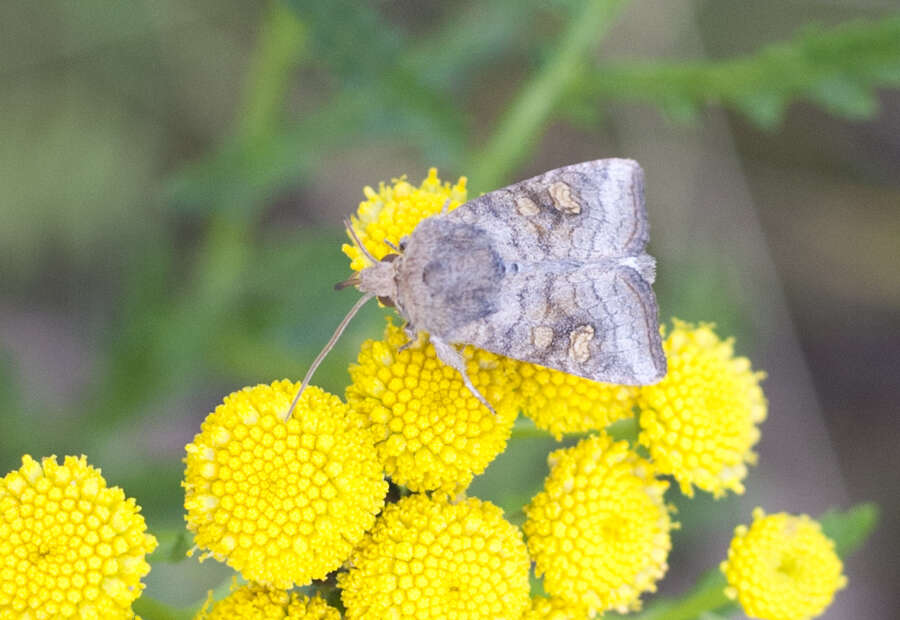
[453,358]
[412,336]
[445,207]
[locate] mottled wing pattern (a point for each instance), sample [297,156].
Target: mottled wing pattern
[582,212]
[594,321]
[576,292]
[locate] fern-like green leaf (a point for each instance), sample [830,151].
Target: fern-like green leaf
[838,68]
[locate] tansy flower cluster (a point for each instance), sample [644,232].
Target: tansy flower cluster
[362,503]
[257,602]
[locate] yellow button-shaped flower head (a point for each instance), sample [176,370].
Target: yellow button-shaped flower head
[70,547]
[256,602]
[395,210]
[430,431]
[700,422]
[562,403]
[543,608]
[281,502]
[432,560]
[599,531]
[782,567]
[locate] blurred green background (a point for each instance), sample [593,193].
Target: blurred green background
[173,175]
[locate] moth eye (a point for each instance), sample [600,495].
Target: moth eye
[389,258]
[402,244]
[386,301]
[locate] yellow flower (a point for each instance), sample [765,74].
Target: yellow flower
[70,547]
[430,431]
[782,567]
[395,210]
[429,559]
[282,502]
[700,422]
[562,403]
[554,609]
[256,602]
[599,531]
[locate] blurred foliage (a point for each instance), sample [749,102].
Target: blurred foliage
[838,68]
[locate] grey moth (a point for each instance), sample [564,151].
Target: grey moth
[551,270]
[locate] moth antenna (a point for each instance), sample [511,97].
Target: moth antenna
[328,347]
[351,281]
[391,245]
[349,225]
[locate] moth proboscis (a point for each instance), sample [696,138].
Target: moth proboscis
[551,270]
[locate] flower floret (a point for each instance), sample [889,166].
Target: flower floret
[782,567]
[282,502]
[430,431]
[395,210]
[599,532]
[553,608]
[429,559]
[71,547]
[701,421]
[254,602]
[562,403]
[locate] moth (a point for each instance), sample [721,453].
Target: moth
[551,270]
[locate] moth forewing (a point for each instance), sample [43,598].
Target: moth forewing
[565,282]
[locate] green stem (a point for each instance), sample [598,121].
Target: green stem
[278,52]
[522,124]
[707,596]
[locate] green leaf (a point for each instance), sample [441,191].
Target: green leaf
[839,68]
[845,97]
[765,110]
[851,528]
[351,37]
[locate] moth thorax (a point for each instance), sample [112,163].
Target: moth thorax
[379,279]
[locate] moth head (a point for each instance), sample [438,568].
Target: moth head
[380,279]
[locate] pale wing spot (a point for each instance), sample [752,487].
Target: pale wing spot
[541,337]
[580,342]
[526,206]
[563,199]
